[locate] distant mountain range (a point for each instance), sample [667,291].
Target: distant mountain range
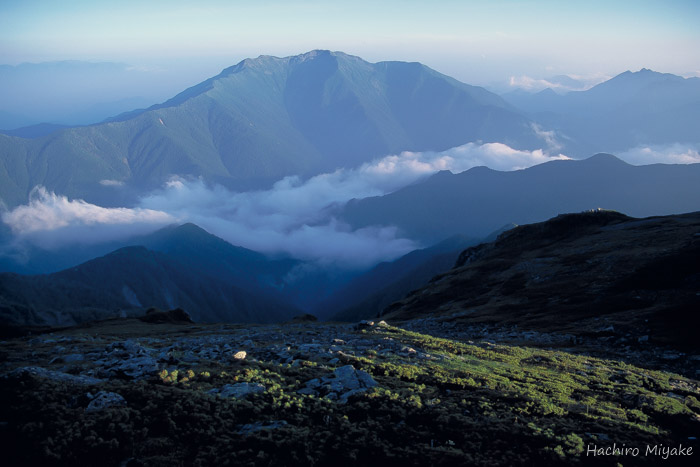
[597,273]
[74,92]
[629,110]
[480,200]
[261,120]
[185,266]
[179,265]
[269,117]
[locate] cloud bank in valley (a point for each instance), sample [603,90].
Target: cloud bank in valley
[294,217]
[662,154]
[50,220]
[561,83]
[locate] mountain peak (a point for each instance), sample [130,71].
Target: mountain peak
[643,76]
[604,157]
[548,92]
[190,227]
[315,53]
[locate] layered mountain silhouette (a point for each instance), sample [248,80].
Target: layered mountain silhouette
[586,274]
[480,200]
[130,280]
[186,242]
[629,110]
[69,92]
[179,266]
[261,120]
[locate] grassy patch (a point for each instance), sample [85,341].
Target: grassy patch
[447,403]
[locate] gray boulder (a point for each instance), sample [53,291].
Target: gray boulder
[364,324]
[350,378]
[129,358]
[103,400]
[238,390]
[345,382]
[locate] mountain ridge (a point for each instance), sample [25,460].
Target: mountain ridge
[127,281]
[581,273]
[631,109]
[263,119]
[490,198]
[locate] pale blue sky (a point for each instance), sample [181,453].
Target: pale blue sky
[473,41]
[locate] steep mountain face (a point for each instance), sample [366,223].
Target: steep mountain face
[263,119]
[129,280]
[631,109]
[585,274]
[479,201]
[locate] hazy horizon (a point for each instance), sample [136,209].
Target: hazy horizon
[473,42]
[142,53]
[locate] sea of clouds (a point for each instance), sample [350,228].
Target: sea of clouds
[295,217]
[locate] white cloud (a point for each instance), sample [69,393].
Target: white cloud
[590,80]
[662,154]
[532,84]
[111,183]
[291,218]
[51,220]
[408,166]
[549,137]
[294,217]
[585,82]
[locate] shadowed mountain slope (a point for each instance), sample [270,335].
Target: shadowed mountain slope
[366,295]
[128,280]
[585,273]
[213,256]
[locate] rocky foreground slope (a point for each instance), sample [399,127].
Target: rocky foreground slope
[126,392]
